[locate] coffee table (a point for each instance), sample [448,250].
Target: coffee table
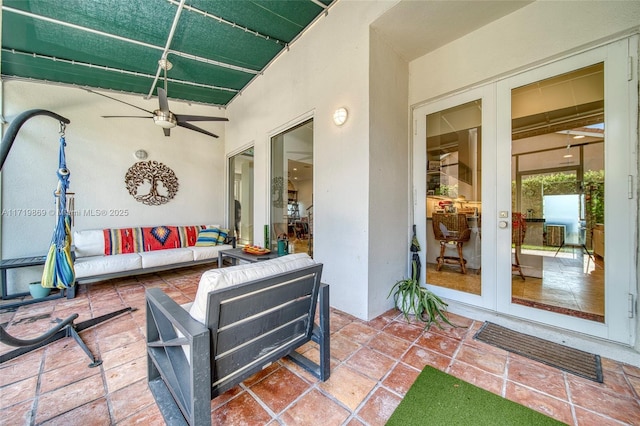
[237,254]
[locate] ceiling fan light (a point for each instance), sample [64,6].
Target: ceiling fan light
[166,121]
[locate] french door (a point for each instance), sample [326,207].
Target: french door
[452,152]
[540,164]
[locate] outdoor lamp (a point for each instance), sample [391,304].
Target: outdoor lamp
[340,116]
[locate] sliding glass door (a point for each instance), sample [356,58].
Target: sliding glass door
[291,200]
[241,196]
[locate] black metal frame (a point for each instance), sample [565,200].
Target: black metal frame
[65,328]
[248,326]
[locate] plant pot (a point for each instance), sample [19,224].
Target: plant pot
[37,291]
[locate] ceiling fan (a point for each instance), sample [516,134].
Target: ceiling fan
[162,116]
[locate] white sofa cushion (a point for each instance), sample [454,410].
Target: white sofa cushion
[151,259]
[224,277]
[99,265]
[208,252]
[88,243]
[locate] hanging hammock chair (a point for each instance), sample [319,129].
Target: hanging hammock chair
[58,269]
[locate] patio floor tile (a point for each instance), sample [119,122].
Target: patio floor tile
[279,389]
[379,407]
[67,398]
[348,386]
[314,408]
[373,364]
[241,410]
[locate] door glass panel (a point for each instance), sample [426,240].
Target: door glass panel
[454,199]
[292,189]
[241,196]
[557,174]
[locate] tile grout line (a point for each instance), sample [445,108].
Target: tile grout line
[36,399]
[505,375]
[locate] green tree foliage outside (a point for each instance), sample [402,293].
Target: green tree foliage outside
[534,188]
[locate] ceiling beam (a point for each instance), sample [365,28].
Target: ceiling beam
[162,63]
[229,23]
[115,70]
[319,3]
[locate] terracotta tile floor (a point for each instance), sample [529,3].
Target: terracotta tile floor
[373,365]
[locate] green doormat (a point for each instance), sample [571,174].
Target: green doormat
[436,398]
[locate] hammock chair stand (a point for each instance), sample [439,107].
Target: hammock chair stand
[66,327]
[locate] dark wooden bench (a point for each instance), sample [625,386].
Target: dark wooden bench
[248,326]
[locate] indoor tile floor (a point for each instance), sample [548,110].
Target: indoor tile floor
[572,283]
[373,366]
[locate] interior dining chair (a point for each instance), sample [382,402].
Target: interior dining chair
[518,231]
[452,231]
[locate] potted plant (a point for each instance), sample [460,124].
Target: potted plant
[37,291]
[413,299]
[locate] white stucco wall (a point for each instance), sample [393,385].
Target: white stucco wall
[389,172]
[533,34]
[326,69]
[99,153]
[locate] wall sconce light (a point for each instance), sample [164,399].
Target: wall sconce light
[340,116]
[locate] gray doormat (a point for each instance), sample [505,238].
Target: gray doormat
[571,360]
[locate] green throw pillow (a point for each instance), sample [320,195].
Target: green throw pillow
[222,236]
[208,237]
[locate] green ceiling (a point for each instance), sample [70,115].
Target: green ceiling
[217,48]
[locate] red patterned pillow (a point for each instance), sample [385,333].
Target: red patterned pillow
[189,235]
[121,241]
[160,238]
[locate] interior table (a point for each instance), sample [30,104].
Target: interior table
[238,254]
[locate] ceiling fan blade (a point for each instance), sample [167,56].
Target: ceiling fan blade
[118,100]
[181,117]
[167,132]
[162,99]
[124,116]
[197,129]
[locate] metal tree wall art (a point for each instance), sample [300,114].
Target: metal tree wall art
[151,183]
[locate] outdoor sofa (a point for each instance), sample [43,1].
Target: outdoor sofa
[116,252]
